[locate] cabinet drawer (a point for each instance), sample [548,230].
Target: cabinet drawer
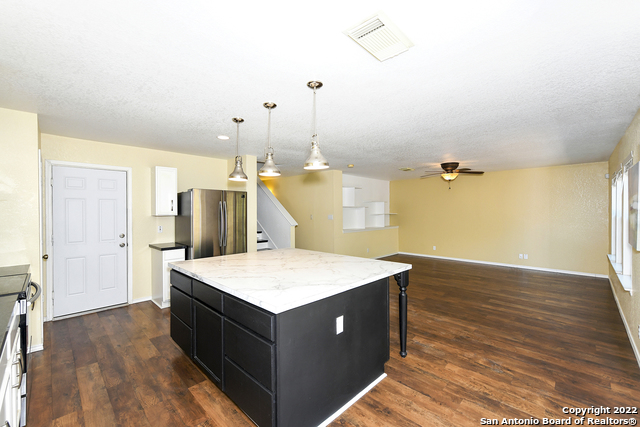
[251,352]
[207,295]
[181,282]
[181,334]
[207,341]
[252,317]
[251,397]
[181,306]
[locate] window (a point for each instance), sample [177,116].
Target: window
[621,250]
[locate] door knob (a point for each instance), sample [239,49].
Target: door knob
[122,245]
[45,256]
[121,235]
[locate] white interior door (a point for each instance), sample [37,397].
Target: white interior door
[89,242]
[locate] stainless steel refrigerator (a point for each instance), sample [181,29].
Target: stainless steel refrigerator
[212,222]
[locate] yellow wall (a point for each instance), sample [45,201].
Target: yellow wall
[19,207]
[193,172]
[556,215]
[310,199]
[629,303]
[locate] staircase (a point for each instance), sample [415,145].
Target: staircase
[263,242]
[276,227]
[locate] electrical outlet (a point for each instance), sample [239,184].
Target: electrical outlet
[526,256]
[367,250]
[330,217]
[520,256]
[434,248]
[311,216]
[159,229]
[339,325]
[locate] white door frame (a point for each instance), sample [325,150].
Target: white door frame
[49,164]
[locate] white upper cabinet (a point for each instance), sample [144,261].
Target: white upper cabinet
[164,197]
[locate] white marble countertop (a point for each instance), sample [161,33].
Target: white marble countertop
[282,279]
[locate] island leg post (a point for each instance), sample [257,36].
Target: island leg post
[403,281]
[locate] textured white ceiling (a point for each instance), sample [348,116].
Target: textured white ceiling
[495,84]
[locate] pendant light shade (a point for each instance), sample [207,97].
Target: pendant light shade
[269,168]
[316,160]
[238,174]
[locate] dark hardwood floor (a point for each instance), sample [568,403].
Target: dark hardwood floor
[483,342]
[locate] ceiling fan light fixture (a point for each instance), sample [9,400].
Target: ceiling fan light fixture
[449,176]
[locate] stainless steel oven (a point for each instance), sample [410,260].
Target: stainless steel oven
[17,294]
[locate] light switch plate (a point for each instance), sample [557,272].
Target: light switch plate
[339,325]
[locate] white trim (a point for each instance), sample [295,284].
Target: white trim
[285,214]
[35,348]
[625,280]
[352,401]
[40,251]
[49,164]
[551,270]
[626,325]
[136,301]
[359,230]
[384,256]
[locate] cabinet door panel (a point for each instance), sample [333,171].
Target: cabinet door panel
[251,397]
[181,306]
[181,282]
[207,349]
[252,317]
[208,295]
[251,352]
[181,334]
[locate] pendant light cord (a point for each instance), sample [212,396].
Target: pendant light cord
[237,137]
[269,131]
[314,136]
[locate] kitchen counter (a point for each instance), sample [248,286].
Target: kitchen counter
[283,279]
[293,337]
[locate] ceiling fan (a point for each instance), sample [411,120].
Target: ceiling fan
[450,172]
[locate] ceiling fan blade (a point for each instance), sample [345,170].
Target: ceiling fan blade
[470,171]
[462,169]
[430,175]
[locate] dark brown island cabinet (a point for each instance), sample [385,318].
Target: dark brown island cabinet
[291,369]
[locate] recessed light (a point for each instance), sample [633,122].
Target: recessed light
[350,166]
[407,169]
[224,137]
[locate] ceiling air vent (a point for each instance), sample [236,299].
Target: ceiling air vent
[380,37]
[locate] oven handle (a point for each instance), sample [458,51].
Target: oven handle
[21,369]
[36,295]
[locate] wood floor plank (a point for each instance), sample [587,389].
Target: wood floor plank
[483,342]
[96,406]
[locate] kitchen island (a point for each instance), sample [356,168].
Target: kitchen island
[293,337]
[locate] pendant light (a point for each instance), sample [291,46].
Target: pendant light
[316,160]
[269,168]
[238,174]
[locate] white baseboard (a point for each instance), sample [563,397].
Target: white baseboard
[352,401]
[384,256]
[136,301]
[499,264]
[626,325]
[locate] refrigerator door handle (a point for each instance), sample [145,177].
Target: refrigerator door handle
[220,224]
[226,228]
